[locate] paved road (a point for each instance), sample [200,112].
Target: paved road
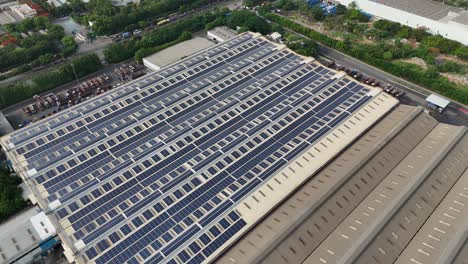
[415,95]
[455,114]
[101,43]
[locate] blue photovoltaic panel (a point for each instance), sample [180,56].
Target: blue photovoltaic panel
[154,169]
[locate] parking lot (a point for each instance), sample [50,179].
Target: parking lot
[73,93]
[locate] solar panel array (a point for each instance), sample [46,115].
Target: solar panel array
[152,171]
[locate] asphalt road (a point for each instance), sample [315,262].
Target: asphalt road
[415,95]
[101,43]
[455,114]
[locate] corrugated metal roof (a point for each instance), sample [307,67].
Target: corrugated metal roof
[437,100]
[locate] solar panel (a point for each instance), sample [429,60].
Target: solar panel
[155,169]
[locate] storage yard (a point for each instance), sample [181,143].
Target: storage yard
[247,153]
[73,93]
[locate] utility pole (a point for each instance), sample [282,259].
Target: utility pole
[76,77]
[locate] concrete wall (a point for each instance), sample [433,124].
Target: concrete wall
[447,28]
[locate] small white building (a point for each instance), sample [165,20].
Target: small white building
[24,11]
[275,36]
[448,21]
[56,3]
[14,13]
[179,51]
[437,103]
[221,34]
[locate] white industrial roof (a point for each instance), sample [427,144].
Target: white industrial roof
[177,52]
[437,100]
[223,32]
[18,236]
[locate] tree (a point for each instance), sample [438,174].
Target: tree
[55,31]
[26,25]
[40,22]
[287,4]
[68,41]
[419,34]
[355,14]
[69,45]
[249,21]
[334,22]
[101,7]
[445,45]
[462,53]
[388,55]
[251,3]
[404,32]
[10,195]
[317,13]
[387,26]
[305,47]
[46,58]
[257,24]
[340,9]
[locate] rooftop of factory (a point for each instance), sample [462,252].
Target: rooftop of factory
[22,233]
[427,8]
[180,163]
[176,52]
[222,32]
[396,195]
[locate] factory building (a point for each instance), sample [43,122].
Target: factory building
[26,236]
[396,195]
[175,53]
[220,34]
[244,152]
[448,21]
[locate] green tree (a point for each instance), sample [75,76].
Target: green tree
[355,14]
[340,9]
[444,45]
[26,25]
[462,53]
[419,34]
[11,201]
[55,31]
[388,55]
[255,23]
[101,7]
[46,58]
[317,13]
[10,28]
[391,28]
[41,22]
[69,45]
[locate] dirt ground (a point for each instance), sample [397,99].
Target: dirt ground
[418,61]
[456,78]
[451,58]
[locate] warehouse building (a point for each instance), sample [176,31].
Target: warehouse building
[26,236]
[399,194]
[175,53]
[181,163]
[221,34]
[448,21]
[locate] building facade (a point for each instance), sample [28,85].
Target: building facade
[450,22]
